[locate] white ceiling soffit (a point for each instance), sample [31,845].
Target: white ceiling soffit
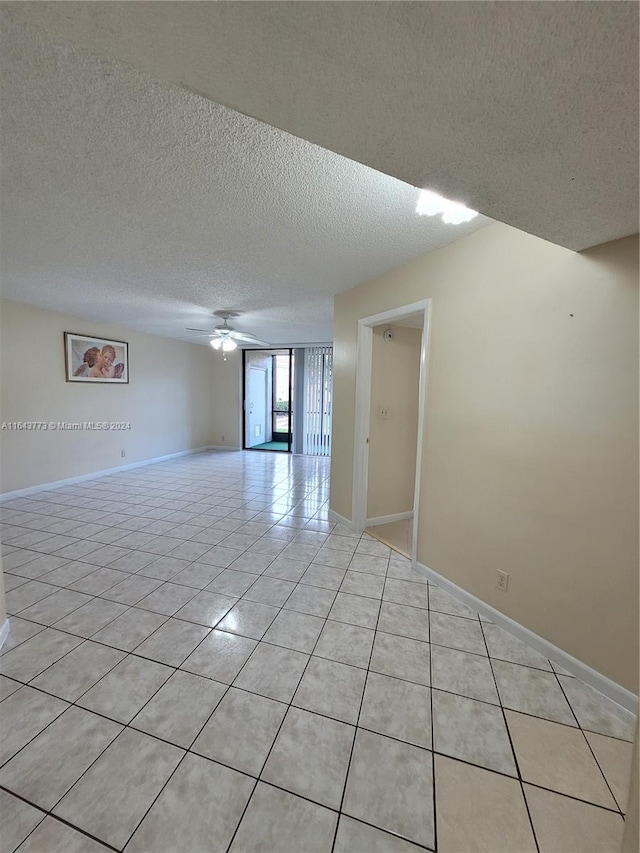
[131,200]
[527,112]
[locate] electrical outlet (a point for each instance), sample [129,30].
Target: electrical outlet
[502,580]
[384,412]
[123,453]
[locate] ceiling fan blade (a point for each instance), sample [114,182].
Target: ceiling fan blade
[204,332]
[248,338]
[234,333]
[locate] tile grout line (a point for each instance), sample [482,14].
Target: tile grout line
[357,723]
[433,731]
[580,729]
[513,750]
[47,814]
[156,798]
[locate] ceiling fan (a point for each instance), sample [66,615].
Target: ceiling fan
[225,337]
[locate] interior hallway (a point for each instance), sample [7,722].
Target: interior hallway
[200,660]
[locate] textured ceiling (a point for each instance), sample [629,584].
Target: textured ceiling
[527,111]
[130,200]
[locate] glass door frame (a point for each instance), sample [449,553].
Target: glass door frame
[273,352]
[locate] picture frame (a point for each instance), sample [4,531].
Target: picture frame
[95,360]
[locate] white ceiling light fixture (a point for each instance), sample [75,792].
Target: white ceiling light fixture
[226,344]
[453,212]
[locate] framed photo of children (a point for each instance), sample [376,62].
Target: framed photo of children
[95,359]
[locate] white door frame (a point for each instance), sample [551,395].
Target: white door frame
[363,411]
[248,437]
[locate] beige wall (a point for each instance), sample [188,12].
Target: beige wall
[168,401]
[227,402]
[395,371]
[530,458]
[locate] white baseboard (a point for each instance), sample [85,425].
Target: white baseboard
[623,697]
[340,519]
[4,632]
[223,447]
[56,484]
[388,519]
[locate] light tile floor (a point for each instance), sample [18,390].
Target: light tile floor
[397,534]
[199,660]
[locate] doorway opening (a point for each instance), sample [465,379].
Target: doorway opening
[389,425]
[269,386]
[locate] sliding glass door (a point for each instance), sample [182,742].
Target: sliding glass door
[288,400]
[281,398]
[318,388]
[268,394]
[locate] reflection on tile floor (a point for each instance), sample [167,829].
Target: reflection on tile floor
[213,665]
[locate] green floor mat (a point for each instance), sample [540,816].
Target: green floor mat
[271,445]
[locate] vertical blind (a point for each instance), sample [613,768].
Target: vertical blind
[318,380]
